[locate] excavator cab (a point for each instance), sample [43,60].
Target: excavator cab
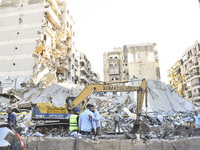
[69,100]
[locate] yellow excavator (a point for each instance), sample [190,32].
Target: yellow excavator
[47,111]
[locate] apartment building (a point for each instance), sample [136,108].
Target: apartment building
[176,78]
[139,60]
[190,75]
[87,76]
[190,71]
[37,43]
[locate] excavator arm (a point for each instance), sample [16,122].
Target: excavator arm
[92,88]
[141,94]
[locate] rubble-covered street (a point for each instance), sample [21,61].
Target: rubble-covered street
[168,114]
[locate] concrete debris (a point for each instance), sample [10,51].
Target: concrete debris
[168,114]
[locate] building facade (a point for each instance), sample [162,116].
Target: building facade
[140,60]
[86,74]
[37,43]
[189,63]
[176,78]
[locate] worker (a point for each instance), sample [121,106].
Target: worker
[197,119]
[96,118]
[11,119]
[73,120]
[86,124]
[116,121]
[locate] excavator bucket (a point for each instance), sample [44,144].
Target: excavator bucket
[135,128]
[140,128]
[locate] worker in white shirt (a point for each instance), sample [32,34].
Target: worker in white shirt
[86,124]
[96,118]
[197,119]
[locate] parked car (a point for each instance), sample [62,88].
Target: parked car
[9,138]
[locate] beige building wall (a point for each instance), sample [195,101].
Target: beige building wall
[132,61]
[113,66]
[143,61]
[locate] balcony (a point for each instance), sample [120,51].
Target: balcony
[178,75]
[196,95]
[193,67]
[83,70]
[195,74]
[50,14]
[83,78]
[82,60]
[198,53]
[55,6]
[66,66]
[195,85]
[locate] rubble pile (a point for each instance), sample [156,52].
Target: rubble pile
[168,114]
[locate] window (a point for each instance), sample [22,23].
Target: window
[45,37]
[189,94]
[138,55]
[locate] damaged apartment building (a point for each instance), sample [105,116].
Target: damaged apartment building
[37,44]
[140,60]
[86,74]
[185,75]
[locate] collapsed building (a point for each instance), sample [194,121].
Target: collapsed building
[38,44]
[119,63]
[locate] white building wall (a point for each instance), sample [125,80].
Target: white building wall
[19,28]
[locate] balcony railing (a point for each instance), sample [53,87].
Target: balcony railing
[52,16]
[194,74]
[83,70]
[196,95]
[84,78]
[83,60]
[196,84]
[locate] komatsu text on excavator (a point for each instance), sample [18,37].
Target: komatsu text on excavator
[47,111]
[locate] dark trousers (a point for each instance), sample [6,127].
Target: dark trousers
[85,133]
[117,125]
[98,132]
